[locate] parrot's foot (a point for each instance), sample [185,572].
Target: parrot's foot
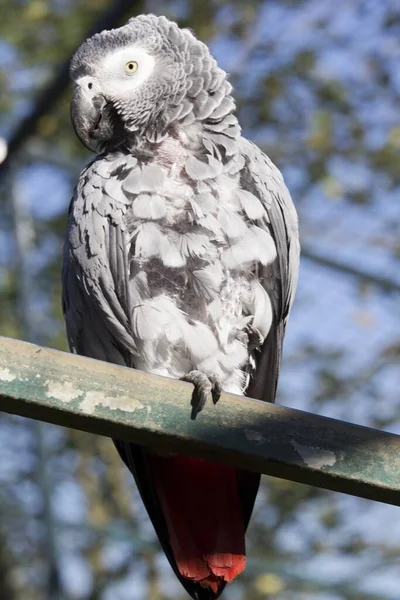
[254,338]
[203,386]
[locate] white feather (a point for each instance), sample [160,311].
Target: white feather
[199,170]
[199,341]
[194,244]
[210,222]
[153,317]
[197,212]
[131,184]
[152,178]
[264,245]
[232,224]
[214,310]
[113,189]
[208,281]
[251,204]
[170,253]
[256,246]
[207,202]
[262,309]
[148,240]
[234,355]
[149,206]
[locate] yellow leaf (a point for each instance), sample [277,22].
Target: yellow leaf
[269,584]
[321,134]
[394,136]
[36,10]
[332,187]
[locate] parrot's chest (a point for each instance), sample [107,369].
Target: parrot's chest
[180,247]
[188,240]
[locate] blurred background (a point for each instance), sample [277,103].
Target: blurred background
[317,85]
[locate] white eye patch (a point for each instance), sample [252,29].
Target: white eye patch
[113,69]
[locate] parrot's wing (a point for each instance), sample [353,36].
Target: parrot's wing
[264,180]
[97,298]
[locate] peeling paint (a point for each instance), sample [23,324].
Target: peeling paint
[315,457]
[65,391]
[94,399]
[6,375]
[254,436]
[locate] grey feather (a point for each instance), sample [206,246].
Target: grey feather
[263,179]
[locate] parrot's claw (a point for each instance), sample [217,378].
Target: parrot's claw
[203,387]
[254,338]
[216,390]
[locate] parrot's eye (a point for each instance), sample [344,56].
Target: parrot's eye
[131,67]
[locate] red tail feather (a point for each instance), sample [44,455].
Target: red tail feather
[201,507]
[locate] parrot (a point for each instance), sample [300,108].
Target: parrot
[180,259]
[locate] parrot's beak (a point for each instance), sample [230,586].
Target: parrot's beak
[90,118]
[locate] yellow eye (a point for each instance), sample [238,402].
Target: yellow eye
[131,67]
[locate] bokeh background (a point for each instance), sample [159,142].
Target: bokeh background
[317,85]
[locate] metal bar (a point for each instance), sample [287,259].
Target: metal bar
[113,401]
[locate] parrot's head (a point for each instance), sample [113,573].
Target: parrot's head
[144,78]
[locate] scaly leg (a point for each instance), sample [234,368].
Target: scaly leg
[203,386]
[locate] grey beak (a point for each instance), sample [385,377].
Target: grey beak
[86,115]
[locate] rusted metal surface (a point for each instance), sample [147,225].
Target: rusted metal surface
[117,402]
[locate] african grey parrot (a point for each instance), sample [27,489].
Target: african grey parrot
[181,259]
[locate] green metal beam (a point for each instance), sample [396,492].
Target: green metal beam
[123,403]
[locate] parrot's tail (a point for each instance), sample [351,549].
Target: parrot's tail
[203,514]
